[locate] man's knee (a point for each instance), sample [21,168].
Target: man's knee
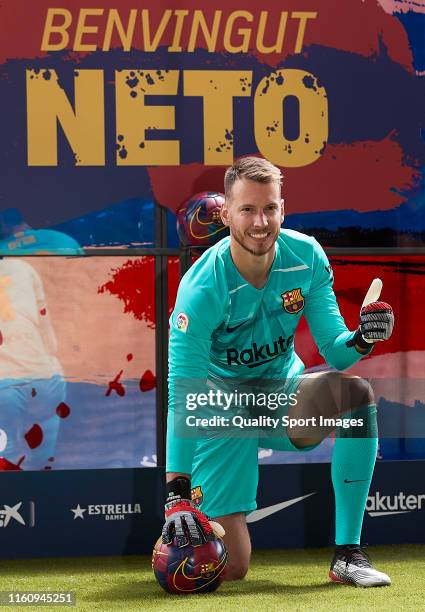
[360,392]
[238,544]
[236,571]
[348,393]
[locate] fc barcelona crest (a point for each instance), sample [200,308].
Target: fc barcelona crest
[197,496]
[293,301]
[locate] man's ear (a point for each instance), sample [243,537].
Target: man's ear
[224,214]
[283,209]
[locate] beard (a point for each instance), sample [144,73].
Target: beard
[261,250]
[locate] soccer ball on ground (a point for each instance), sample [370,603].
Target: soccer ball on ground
[198,220]
[190,569]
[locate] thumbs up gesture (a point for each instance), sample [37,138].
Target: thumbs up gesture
[376,319]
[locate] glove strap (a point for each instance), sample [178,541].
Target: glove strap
[358,340]
[177,490]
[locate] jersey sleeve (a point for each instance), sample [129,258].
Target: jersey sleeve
[324,318]
[198,312]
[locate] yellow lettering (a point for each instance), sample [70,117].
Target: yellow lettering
[180,17]
[134,118]
[244,32]
[152,45]
[268,118]
[61,29]
[126,36]
[82,29]
[47,104]
[277,47]
[218,88]
[302,16]
[210,37]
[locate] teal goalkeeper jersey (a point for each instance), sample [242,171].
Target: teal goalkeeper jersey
[223,327]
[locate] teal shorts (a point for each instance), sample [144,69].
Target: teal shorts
[225,470]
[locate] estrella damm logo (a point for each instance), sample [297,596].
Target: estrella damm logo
[293,301]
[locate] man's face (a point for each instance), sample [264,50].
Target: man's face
[254,213]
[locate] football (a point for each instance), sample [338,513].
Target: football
[189,569]
[199,222]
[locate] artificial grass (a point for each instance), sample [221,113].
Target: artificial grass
[278,580]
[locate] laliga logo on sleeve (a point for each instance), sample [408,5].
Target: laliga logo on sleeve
[182,322]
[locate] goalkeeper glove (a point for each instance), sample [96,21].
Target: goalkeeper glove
[376,323]
[182,520]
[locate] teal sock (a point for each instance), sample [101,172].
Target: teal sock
[353,460]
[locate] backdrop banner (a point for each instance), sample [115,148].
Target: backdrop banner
[110,109]
[120,512]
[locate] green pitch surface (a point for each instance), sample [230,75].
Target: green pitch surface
[278,580]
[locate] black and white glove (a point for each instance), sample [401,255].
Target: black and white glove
[376,324]
[183,520]
[376,319]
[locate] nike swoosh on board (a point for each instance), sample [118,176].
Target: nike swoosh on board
[262,513]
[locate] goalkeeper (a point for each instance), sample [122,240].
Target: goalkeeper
[236,313]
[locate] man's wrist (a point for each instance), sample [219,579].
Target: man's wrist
[363,350]
[177,489]
[360,344]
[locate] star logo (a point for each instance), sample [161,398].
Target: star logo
[10,512]
[78,512]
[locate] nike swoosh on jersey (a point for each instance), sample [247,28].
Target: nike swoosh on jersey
[262,513]
[231,329]
[348,481]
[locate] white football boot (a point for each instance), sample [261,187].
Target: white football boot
[351,565]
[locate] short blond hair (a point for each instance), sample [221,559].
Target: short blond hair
[255,169]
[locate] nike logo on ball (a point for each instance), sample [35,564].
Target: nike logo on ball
[348,481]
[231,329]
